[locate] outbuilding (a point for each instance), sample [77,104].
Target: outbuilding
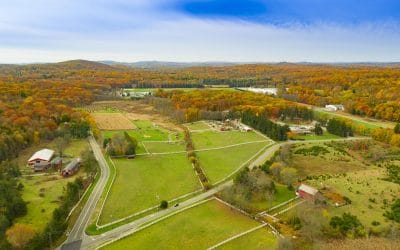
[71,168]
[41,159]
[334,107]
[308,193]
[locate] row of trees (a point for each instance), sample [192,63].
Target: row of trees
[273,130]
[339,127]
[12,205]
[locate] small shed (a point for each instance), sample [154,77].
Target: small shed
[71,168]
[308,193]
[41,158]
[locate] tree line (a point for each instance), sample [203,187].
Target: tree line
[261,123]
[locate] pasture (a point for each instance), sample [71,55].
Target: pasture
[200,125]
[262,238]
[199,227]
[214,139]
[370,194]
[219,163]
[43,192]
[145,181]
[313,137]
[112,121]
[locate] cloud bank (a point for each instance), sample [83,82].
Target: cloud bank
[123,30]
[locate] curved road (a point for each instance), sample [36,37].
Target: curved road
[78,239]
[77,233]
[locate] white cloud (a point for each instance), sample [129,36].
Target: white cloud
[140,30]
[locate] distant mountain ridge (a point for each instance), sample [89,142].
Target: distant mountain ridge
[166,64]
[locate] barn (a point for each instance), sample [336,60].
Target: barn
[308,193]
[71,168]
[41,159]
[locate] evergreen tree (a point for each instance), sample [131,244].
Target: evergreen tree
[397,128]
[318,129]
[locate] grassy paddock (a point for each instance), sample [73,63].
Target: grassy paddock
[164,147]
[146,180]
[219,163]
[200,125]
[197,228]
[212,139]
[262,238]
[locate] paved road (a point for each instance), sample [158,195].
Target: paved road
[95,241]
[78,231]
[80,240]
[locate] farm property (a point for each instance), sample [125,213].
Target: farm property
[219,163]
[199,227]
[145,181]
[43,192]
[112,121]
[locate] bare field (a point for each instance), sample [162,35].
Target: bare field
[112,121]
[132,110]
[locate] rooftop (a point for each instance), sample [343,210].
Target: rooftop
[308,189]
[44,154]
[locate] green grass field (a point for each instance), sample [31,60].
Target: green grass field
[219,163]
[40,208]
[197,228]
[146,131]
[212,139]
[312,137]
[200,125]
[260,239]
[362,187]
[163,147]
[43,192]
[143,182]
[282,194]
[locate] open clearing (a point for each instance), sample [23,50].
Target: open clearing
[333,161]
[201,125]
[313,137]
[213,139]
[367,191]
[148,131]
[112,121]
[145,181]
[43,192]
[199,227]
[260,239]
[165,147]
[219,163]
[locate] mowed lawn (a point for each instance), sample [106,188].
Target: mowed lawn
[197,125]
[164,147]
[260,239]
[145,181]
[313,137]
[199,227]
[219,163]
[213,139]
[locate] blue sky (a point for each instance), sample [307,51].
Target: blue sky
[200,30]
